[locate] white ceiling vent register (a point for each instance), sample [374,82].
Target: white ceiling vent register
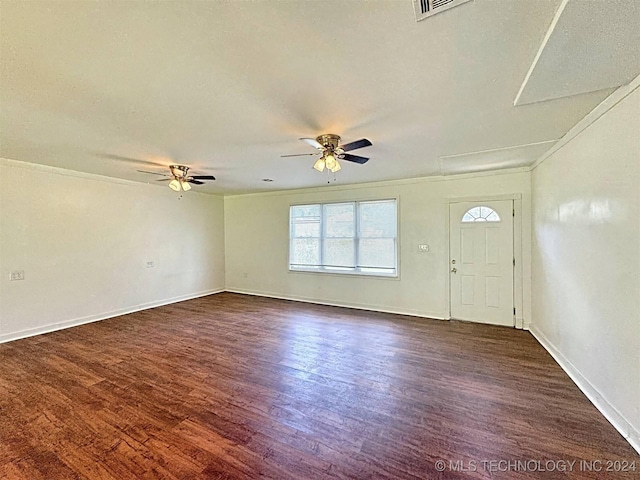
[427,8]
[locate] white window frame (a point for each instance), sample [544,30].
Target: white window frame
[347,270]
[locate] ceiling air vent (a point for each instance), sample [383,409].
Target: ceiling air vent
[426,8]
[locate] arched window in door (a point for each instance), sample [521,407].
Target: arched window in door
[480,214]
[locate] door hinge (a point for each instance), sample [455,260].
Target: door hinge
[514,310]
[514,261]
[513,212]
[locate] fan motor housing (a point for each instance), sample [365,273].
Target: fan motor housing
[179,171]
[329,140]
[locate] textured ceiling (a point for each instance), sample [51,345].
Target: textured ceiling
[227,87]
[589,46]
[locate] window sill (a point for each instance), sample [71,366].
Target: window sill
[388,276]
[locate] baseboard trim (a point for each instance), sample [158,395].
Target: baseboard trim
[9,337]
[615,418]
[356,306]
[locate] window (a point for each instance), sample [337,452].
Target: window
[480,214]
[350,237]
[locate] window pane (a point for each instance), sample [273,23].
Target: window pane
[304,251]
[305,221]
[378,219]
[493,217]
[377,252]
[339,252]
[339,220]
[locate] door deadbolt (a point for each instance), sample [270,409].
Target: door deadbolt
[453,262]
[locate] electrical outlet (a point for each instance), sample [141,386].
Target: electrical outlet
[16,275]
[150,265]
[423,248]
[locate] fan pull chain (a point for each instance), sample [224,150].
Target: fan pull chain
[329,177]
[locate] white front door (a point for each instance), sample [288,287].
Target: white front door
[481,261]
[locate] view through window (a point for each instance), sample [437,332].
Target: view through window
[348,237]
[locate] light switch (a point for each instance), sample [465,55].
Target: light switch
[423,247]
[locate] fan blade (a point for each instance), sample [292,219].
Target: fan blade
[313,142]
[153,173]
[195,182]
[301,154]
[354,158]
[202,177]
[121,158]
[164,179]
[355,145]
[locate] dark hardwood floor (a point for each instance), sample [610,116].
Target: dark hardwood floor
[233,386]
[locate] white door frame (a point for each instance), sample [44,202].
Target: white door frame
[518,290]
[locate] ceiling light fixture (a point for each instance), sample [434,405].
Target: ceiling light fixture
[319,165]
[185,185]
[329,160]
[174,185]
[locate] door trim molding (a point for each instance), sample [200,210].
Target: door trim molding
[485,198]
[518,285]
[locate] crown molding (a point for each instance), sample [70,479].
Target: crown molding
[607,104]
[77,174]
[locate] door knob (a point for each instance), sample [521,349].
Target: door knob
[454,270]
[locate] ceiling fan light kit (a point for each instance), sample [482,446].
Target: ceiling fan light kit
[329,162]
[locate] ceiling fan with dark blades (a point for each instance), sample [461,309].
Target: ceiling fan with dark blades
[179,178]
[331,151]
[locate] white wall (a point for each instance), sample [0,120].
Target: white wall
[257,244]
[83,242]
[586,261]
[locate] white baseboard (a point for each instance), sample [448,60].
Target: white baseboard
[356,306]
[52,327]
[615,418]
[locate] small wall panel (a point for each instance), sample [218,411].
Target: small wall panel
[467,237]
[492,249]
[467,289]
[492,292]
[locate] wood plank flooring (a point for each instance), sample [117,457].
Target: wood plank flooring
[234,387]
